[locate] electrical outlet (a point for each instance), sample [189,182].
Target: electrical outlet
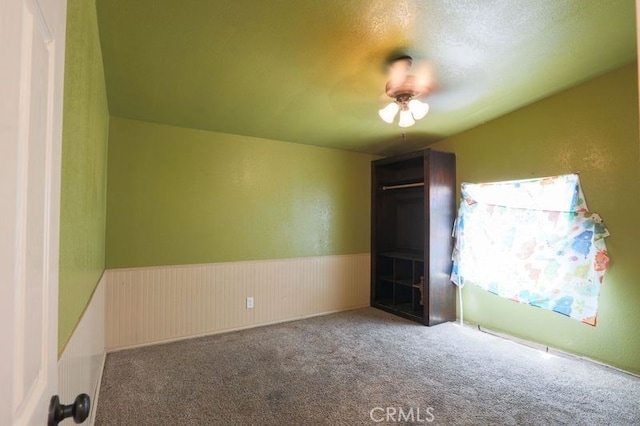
[249,302]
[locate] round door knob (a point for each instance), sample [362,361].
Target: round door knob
[79,410]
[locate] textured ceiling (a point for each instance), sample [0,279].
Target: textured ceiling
[313,71]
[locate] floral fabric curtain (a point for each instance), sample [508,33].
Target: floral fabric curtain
[533,241]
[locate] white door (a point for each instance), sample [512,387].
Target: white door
[32,36]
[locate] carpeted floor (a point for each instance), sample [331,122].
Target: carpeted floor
[360,367]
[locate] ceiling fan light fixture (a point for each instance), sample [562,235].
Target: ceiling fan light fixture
[404,87]
[389,112]
[418,109]
[406,119]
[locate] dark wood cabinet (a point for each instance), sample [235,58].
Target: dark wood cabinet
[412,215]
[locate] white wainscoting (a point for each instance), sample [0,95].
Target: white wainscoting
[80,365]
[157,304]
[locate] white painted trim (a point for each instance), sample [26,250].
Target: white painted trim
[96,396]
[81,364]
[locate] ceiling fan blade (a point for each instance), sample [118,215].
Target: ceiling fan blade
[423,78]
[409,76]
[398,71]
[451,99]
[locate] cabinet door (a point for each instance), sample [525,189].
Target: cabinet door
[440,303]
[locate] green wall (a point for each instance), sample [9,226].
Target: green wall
[591,129]
[184,196]
[84,158]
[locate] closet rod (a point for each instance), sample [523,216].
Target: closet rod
[406,185]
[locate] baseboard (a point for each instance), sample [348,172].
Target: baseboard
[81,363]
[547,349]
[96,394]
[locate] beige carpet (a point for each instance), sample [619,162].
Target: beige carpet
[360,367]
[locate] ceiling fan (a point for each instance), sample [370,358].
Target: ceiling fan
[407,82]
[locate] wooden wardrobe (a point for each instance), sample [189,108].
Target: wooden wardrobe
[412,214]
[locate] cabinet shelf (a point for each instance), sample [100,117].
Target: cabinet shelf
[406,283]
[411,235]
[405,254]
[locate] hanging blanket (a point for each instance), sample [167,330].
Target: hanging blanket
[533,241]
